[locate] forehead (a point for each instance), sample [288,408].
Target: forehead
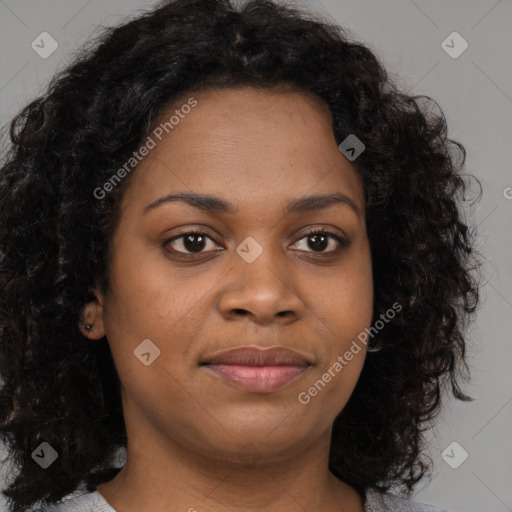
[246,143]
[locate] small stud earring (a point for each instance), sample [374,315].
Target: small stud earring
[88,327]
[376,348]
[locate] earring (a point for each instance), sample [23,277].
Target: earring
[88,327]
[377,348]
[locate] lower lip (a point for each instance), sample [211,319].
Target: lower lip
[257,379]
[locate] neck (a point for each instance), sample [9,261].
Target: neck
[179,478]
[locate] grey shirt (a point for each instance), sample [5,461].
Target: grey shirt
[374,502]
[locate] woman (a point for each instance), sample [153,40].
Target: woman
[233,247]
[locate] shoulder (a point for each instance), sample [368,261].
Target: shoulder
[376,501]
[78,502]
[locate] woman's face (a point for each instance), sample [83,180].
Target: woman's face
[254,278]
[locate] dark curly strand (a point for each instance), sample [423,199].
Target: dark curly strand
[55,235]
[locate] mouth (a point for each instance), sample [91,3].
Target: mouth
[257,370]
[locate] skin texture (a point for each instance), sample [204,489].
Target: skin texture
[195,440]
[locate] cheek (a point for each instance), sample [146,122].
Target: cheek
[345,300]
[344,304]
[149,293]
[342,354]
[156,302]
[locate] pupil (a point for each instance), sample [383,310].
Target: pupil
[194,246]
[318,244]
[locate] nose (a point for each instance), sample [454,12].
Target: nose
[264,291]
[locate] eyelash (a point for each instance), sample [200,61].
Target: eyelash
[343,242]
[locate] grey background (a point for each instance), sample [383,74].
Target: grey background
[475,92]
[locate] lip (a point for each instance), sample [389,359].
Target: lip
[255,369]
[252,355]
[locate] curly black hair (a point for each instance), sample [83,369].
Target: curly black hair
[55,234]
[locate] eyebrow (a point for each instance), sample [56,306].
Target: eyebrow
[215,205]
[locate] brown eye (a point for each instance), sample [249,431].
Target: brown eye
[319,241]
[196,242]
[192,242]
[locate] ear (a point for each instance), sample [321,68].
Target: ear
[91,315]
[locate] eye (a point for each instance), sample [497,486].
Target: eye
[319,240]
[196,242]
[192,241]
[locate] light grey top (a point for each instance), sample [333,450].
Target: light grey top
[374,502]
